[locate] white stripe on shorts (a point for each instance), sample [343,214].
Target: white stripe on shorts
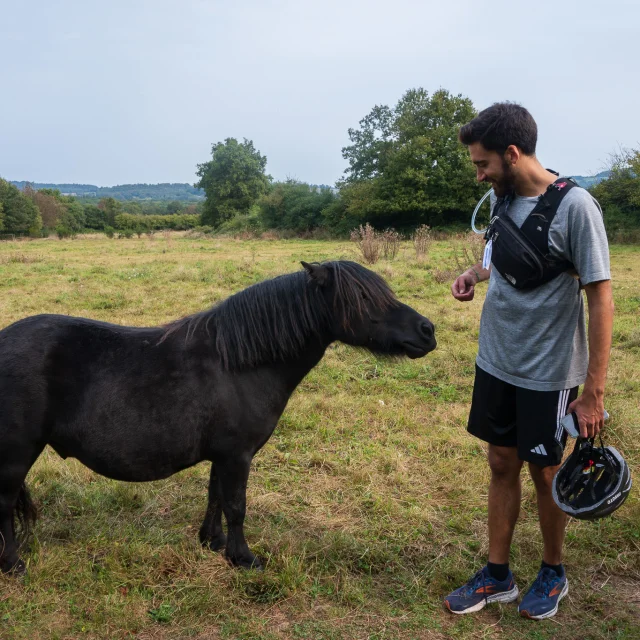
[563,398]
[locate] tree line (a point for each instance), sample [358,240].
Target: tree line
[41,212]
[406,168]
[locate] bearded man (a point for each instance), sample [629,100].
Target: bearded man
[532,355]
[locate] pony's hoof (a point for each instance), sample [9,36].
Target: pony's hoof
[17,570]
[216,543]
[246,563]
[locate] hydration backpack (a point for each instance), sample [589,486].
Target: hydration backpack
[521,254]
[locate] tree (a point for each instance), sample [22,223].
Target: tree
[371,145]
[619,194]
[174,206]
[133,208]
[406,165]
[111,208]
[95,218]
[72,219]
[232,180]
[1,217]
[21,215]
[62,213]
[191,209]
[357,204]
[48,203]
[295,205]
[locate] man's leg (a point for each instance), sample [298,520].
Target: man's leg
[553,520]
[493,419]
[504,500]
[541,441]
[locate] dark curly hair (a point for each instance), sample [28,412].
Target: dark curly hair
[501,125]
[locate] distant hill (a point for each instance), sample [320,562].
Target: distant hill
[180,191]
[184,192]
[588,181]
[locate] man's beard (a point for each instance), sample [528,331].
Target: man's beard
[506,184]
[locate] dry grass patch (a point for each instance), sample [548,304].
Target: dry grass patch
[368,503]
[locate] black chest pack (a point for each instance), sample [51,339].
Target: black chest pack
[521,254]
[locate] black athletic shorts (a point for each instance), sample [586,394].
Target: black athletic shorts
[509,416]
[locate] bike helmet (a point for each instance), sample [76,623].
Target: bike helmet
[593,481]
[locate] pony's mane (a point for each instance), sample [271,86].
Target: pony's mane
[272,320]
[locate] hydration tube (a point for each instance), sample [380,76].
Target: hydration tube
[475,213]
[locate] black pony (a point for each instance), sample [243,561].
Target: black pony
[140,404]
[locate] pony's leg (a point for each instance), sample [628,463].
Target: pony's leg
[211,533]
[13,494]
[9,560]
[233,475]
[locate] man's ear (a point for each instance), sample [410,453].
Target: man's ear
[319,273]
[512,154]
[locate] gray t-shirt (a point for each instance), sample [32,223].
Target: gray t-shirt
[536,339]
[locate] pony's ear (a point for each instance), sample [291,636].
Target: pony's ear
[318,272]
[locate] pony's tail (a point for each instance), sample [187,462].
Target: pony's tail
[26,514]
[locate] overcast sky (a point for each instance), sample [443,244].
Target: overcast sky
[137,91]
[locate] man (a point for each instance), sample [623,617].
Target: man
[532,357]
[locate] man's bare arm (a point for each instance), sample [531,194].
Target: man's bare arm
[589,406]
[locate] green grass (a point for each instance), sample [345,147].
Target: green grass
[368,503]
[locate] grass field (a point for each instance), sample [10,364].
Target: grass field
[368,503]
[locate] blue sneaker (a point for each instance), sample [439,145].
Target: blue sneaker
[481,590]
[541,601]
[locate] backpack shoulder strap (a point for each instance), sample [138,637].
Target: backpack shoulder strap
[536,226]
[551,199]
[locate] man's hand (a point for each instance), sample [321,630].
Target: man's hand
[589,409]
[463,287]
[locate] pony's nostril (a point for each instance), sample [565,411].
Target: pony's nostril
[426,329]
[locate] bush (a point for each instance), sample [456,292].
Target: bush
[64,231]
[205,229]
[140,223]
[617,220]
[422,241]
[390,241]
[199,232]
[368,241]
[109,231]
[248,225]
[624,236]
